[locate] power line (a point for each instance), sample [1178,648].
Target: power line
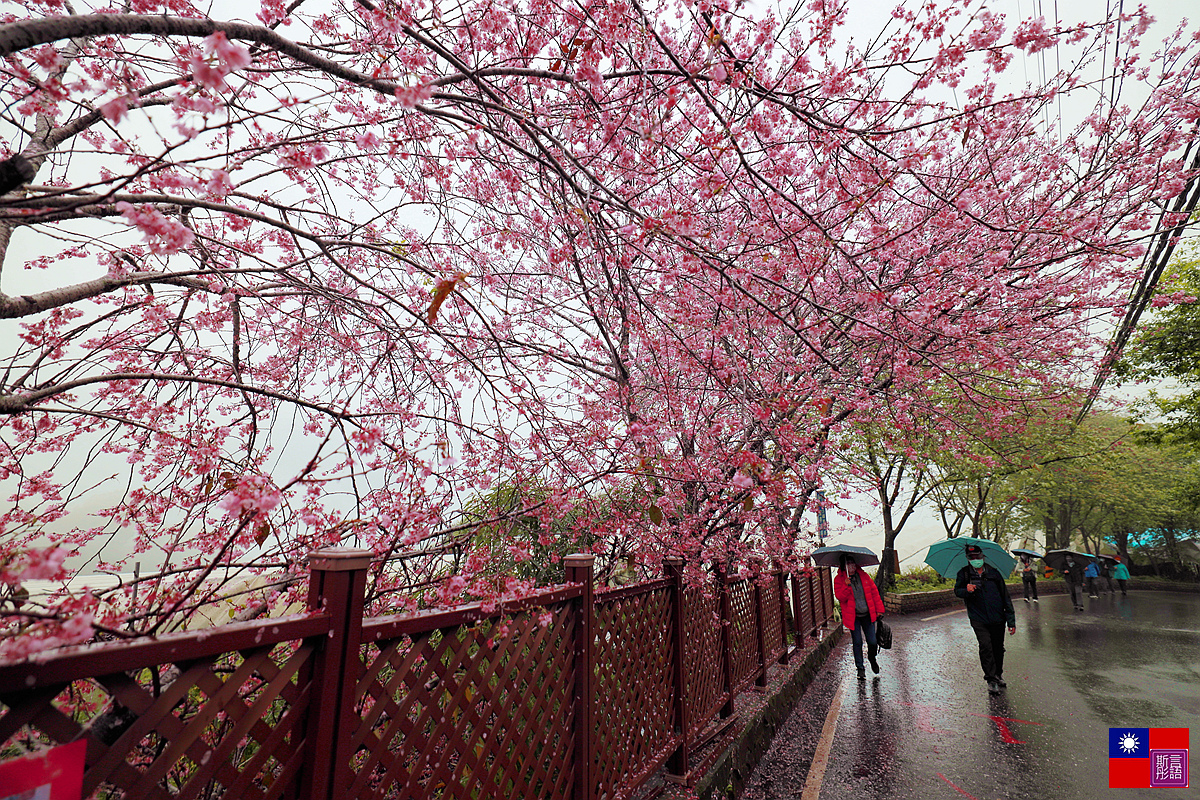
[1158,255]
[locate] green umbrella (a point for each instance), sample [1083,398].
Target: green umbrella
[950,555]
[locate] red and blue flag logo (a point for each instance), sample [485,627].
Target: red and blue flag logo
[1147,758]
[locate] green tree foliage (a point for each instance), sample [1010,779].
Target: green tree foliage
[517,530]
[1107,486]
[971,466]
[1166,350]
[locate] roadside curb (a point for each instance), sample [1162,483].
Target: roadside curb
[730,770]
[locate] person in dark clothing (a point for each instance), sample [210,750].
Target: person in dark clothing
[1106,581]
[989,609]
[1073,574]
[1028,578]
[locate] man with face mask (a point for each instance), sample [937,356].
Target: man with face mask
[989,608]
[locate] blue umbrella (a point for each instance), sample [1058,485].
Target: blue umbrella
[950,555]
[832,556]
[1023,552]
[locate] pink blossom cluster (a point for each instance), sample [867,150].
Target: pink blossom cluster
[222,57]
[34,565]
[305,157]
[71,623]
[252,494]
[164,235]
[412,96]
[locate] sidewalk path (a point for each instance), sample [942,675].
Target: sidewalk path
[927,729]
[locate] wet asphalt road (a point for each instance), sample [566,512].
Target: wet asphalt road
[926,728]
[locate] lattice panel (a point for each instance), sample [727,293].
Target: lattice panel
[802,588]
[634,686]
[772,621]
[225,726]
[823,577]
[702,657]
[468,712]
[743,640]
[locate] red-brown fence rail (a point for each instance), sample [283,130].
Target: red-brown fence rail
[571,693]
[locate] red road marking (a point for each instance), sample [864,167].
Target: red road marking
[955,788]
[1008,719]
[1005,733]
[924,722]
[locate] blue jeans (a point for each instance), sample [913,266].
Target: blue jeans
[863,625]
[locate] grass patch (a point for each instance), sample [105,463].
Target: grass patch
[926,579]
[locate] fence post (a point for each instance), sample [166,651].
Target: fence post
[760,622]
[813,587]
[677,764]
[581,570]
[337,584]
[726,607]
[826,596]
[801,632]
[781,587]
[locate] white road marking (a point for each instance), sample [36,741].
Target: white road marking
[948,613]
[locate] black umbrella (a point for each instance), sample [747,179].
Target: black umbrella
[1057,559]
[832,556]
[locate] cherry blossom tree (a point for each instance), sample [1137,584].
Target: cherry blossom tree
[326,273]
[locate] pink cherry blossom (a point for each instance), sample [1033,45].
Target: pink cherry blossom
[411,96]
[116,109]
[166,236]
[33,565]
[232,56]
[705,259]
[252,494]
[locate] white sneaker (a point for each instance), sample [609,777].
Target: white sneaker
[1035,599]
[1026,599]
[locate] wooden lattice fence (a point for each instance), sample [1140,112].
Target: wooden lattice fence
[571,693]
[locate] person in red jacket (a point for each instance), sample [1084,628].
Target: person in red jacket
[861,608]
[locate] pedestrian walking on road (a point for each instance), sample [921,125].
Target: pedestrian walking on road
[1091,573]
[1106,581]
[1028,578]
[1121,573]
[1073,575]
[862,607]
[989,609]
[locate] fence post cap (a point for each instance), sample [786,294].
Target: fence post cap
[340,559]
[579,560]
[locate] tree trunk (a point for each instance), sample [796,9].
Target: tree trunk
[1121,545]
[885,576]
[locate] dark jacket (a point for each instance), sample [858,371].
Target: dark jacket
[989,603]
